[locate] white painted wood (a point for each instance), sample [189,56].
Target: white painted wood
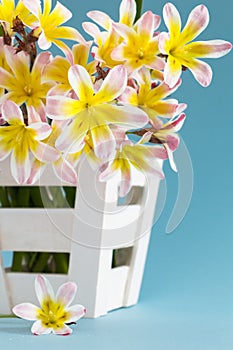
[116,287]
[89,232]
[141,246]
[25,229]
[5,298]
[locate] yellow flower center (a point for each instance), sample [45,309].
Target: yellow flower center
[53,314]
[140,54]
[17,137]
[28,89]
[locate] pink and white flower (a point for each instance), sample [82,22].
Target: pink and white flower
[49,24]
[55,313]
[181,52]
[138,155]
[23,142]
[93,111]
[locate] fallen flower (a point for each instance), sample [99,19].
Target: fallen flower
[55,313]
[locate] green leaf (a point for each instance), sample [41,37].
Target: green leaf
[139,9]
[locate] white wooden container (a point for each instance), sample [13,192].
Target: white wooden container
[90,232]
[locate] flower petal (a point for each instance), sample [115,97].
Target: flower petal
[108,172]
[100,18]
[113,85]
[210,48]
[81,53]
[128,117]
[7,80]
[103,141]
[60,14]
[125,183]
[127,12]
[118,52]
[64,171]
[201,71]
[33,6]
[165,109]
[162,90]
[39,329]
[172,71]
[172,20]
[43,289]
[126,32]
[67,33]
[129,96]
[172,141]
[61,107]
[156,63]
[178,122]
[196,23]
[37,170]
[43,130]
[33,116]
[71,139]
[11,111]
[145,25]
[44,152]
[40,62]
[19,64]
[93,30]
[65,330]
[20,164]
[43,42]
[27,311]
[76,312]
[81,82]
[171,159]
[66,293]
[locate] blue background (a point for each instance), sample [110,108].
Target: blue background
[186,301]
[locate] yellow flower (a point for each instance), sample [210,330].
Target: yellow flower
[49,24]
[8,12]
[152,98]
[179,49]
[140,46]
[137,155]
[57,70]
[93,111]
[23,85]
[55,312]
[23,141]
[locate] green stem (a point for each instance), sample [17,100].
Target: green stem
[17,262]
[61,261]
[23,197]
[20,261]
[41,262]
[139,9]
[70,195]
[12,196]
[35,197]
[32,261]
[4,198]
[8,316]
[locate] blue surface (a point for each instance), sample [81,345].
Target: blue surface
[186,301]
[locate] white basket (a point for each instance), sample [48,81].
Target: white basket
[89,232]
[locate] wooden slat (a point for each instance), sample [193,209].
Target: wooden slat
[116,287]
[36,229]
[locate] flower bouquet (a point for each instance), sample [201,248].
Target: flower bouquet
[105,101]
